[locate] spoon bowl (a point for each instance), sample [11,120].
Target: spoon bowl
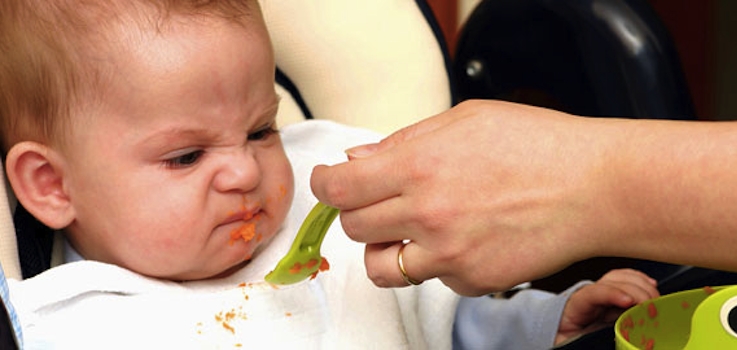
[303,260]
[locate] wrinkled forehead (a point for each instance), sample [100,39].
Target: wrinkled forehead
[108,19]
[157,11]
[127,26]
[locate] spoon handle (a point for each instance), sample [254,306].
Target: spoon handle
[303,258]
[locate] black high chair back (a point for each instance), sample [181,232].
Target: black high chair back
[587,57]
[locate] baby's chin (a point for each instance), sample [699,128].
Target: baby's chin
[233,269]
[239,258]
[204,275]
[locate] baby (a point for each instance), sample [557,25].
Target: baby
[145,133]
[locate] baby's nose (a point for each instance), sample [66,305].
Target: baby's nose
[240,171]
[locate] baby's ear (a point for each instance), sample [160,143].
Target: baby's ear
[36,175]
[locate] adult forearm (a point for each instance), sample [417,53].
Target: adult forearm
[674,191]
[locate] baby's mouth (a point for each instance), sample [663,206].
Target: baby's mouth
[246,231]
[242,215]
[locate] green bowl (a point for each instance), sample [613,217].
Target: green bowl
[668,322]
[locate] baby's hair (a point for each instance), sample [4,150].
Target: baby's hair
[51,61]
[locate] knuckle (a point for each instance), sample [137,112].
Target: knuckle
[377,279]
[350,227]
[335,195]
[326,188]
[433,216]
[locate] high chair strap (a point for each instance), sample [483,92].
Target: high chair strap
[35,242]
[284,81]
[7,338]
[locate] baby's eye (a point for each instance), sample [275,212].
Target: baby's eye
[183,160]
[263,133]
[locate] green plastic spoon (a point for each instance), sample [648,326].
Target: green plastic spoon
[303,259]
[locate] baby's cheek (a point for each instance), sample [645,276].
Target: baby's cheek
[281,203]
[287,201]
[285,192]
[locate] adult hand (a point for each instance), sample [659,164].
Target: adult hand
[488,193]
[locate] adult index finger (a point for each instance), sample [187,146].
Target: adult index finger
[407,133]
[357,183]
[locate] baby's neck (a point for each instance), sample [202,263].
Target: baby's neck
[229,271]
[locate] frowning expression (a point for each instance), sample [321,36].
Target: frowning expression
[180,152]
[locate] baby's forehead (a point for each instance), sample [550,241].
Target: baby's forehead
[157,16]
[85,35]
[105,21]
[127,29]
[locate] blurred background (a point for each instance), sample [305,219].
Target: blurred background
[704,33]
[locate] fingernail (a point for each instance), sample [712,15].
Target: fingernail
[362,151]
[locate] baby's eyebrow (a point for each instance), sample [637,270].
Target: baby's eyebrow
[174,133]
[268,115]
[274,108]
[171,136]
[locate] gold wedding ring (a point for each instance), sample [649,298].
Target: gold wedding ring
[405,277]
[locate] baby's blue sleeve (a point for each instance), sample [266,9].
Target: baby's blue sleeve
[527,321]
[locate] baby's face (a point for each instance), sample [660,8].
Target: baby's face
[181,153]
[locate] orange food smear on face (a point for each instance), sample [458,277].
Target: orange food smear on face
[246,232]
[282,191]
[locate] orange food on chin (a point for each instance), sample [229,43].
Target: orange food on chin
[246,232]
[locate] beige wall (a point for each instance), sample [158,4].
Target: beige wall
[465,7]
